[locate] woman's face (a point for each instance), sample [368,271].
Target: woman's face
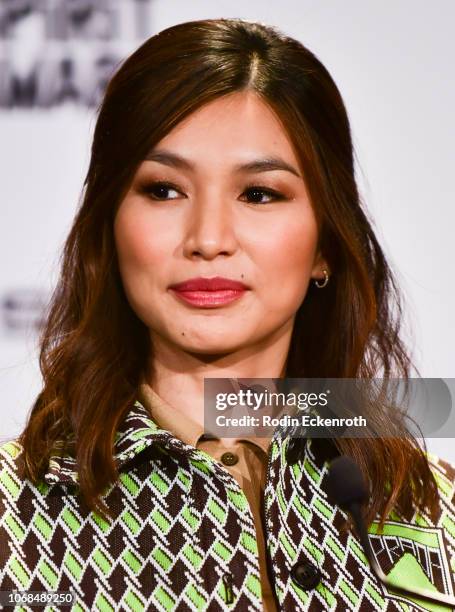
[221,195]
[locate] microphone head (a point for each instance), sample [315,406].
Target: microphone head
[345,484]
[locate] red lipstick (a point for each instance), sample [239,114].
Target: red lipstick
[209,292]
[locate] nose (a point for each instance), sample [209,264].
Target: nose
[209,229]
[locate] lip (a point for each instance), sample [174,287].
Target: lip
[209,292]
[217,283]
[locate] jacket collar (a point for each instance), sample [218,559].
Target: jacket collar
[137,431]
[148,421]
[183,427]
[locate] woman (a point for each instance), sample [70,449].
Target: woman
[220,235]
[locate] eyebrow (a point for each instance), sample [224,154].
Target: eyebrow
[265,164]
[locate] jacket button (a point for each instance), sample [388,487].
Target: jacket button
[229,458]
[306,575]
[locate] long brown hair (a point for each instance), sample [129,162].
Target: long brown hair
[94,349]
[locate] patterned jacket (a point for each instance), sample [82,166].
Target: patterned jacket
[183,537]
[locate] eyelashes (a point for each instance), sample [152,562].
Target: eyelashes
[258,189]
[157,190]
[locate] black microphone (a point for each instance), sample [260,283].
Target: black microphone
[346,487]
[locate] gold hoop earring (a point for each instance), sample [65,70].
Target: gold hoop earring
[326,280]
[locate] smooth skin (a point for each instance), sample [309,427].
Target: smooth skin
[218,220]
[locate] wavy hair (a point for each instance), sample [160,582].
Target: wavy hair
[93,347]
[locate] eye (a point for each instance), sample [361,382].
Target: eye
[255,192]
[157,190]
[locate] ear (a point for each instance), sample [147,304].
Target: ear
[319,265]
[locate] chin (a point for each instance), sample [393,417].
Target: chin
[210,347]
[209,357]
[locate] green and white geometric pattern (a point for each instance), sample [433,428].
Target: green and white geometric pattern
[183,537]
[303,526]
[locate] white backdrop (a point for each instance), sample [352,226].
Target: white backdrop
[393,63]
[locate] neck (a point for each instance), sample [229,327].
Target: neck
[178,376]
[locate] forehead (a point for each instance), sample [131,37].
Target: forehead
[232,128]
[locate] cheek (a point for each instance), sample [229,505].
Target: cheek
[285,260]
[139,254]
[289,251]
[137,243]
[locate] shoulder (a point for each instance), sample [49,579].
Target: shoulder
[441,464]
[12,485]
[444,475]
[9,452]
[9,479]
